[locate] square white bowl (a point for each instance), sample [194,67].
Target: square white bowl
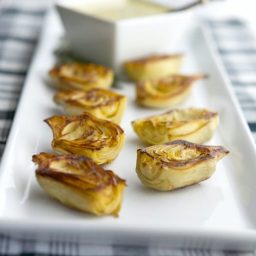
[111,43]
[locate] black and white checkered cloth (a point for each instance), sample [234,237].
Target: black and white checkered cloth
[19,30]
[237,49]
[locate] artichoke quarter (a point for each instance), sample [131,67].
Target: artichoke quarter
[83,76]
[87,135]
[193,124]
[153,67]
[177,164]
[165,92]
[79,183]
[102,103]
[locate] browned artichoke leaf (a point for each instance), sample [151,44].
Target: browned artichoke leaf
[79,183]
[193,124]
[102,103]
[167,91]
[177,164]
[153,67]
[88,136]
[82,76]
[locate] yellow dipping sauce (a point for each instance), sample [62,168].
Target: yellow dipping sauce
[124,10]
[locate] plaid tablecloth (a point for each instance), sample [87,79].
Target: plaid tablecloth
[237,48]
[19,29]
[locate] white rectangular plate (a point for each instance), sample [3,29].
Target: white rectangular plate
[217,213]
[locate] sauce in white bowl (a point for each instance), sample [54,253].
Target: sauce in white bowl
[110,32]
[123,9]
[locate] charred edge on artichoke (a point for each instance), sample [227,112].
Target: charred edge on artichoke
[68,119]
[182,86]
[143,94]
[59,72]
[153,58]
[45,170]
[208,152]
[204,114]
[65,120]
[182,79]
[91,95]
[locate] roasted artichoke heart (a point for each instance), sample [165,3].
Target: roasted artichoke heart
[165,92]
[87,135]
[177,164]
[102,103]
[81,76]
[79,183]
[193,124]
[153,67]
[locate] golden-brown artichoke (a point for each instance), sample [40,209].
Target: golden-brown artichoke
[81,76]
[165,92]
[88,136]
[102,103]
[79,183]
[153,67]
[193,124]
[177,164]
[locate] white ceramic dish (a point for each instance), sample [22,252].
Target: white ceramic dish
[218,213]
[113,42]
